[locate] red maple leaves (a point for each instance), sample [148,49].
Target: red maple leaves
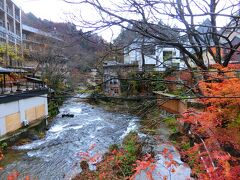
[216,126]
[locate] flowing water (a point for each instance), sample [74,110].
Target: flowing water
[56,156]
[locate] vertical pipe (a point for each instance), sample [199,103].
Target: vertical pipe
[4,82]
[2,86]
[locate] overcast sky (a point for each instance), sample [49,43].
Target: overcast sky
[46,9]
[57,10]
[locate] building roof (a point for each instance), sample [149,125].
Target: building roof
[17,4]
[34,79]
[4,70]
[11,70]
[39,32]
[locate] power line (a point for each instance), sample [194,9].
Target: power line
[125,98]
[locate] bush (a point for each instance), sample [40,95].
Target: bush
[132,149]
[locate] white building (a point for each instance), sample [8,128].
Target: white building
[16,111]
[160,57]
[10,23]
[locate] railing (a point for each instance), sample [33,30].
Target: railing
[18,33]
[19,41]
[3,32]
[32,40]
[17,17]
[12,87]
[10,11]
[11,38]
[1,5]
[2,29]
[3,35]
[7,98]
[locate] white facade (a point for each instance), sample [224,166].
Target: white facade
[10,23]
[14,114]
[159,56]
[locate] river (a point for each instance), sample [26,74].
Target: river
[57,155]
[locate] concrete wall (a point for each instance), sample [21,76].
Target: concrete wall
[13,114]
[173,106]
[168,103]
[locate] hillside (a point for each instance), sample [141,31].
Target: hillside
[82,49]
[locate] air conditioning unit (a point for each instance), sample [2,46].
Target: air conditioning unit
[25,123]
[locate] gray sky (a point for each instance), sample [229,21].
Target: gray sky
[57,11]
[46,9]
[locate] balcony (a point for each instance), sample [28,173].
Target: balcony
[18,95]
[2,35]
[18,41]
[14,82]
[18,33]
[31,40]
[10,11]
[1,5]
[17,18]
[2,29]
[11,38]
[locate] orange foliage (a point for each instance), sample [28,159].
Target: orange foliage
[217,126]
[147,165]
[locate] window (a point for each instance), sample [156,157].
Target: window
[127,51]
[167,55]
[174,53]
[1,23]
[175,65]
[24,36]
[8,26]
[157,60]
[148,50]
[116,91]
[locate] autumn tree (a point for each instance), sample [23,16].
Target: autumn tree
[10,55]
[198,24]
[51,66]
[216,129]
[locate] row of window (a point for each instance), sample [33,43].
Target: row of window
[9,26]
[113,91]
[9,8]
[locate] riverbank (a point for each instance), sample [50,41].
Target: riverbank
[29,134]
[94,130]
[22,136]
[56,156]
[158,133]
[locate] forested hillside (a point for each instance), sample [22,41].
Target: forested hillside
[84,50]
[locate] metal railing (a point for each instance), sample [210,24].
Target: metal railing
[3,29]
[3,35]
[10,11]
[1,5]
[12,87]
[11,38]
[17,17]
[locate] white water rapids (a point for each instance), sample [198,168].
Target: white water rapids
[55,157]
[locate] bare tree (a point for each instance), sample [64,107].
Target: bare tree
[192,26]
[48,59]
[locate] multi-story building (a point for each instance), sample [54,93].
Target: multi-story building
[10,23]
[23,99]
[38,47]
[10,32]
[36,40]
